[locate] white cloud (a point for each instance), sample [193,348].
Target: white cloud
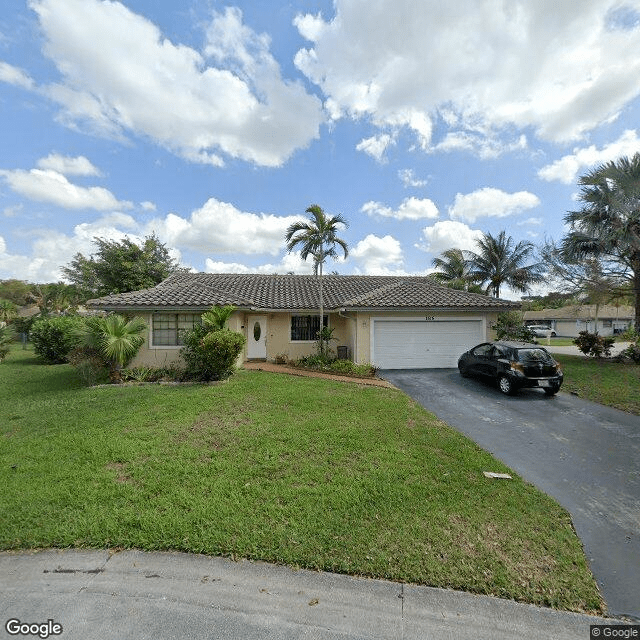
[121,75]
[148,206]
[484,145]
[489,202]
[50,186]
[290,263]
[449,234]
[378,256]
[567,168]
[478,68]
[219,227]
[68,166]
[409,209]
[408,178]
[15,76]
[50,249]
[375,146]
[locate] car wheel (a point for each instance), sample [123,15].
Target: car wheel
[505,385]
[463,372]
[553,334]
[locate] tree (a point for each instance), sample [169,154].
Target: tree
[16,291]
[8,310]
[498,261]
[216,317]
[115,338]
[118,267]
[318,238]
[607,226]
[454,270]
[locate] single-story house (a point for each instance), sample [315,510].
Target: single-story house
[390,321]
[571,320]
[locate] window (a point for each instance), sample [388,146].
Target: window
[306,327]
[167,328]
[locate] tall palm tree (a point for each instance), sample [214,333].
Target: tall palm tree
[453,268]
[318,238]
[608,224]
[499,261]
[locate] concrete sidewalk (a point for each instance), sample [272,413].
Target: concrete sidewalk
[131,594]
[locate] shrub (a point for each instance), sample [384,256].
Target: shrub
[53,338]
[7,336]
[592,344]
[211,355]
[510,327]
[89,365]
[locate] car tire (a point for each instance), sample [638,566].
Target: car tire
[506,386]
[463,372]
[553,334]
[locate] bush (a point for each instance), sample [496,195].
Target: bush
[592,344]
[7,336]
[510,327]
[53,338]
[89,365]
[211,355]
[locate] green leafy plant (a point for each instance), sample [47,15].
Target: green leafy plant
[216,318]
[53,338]
[510,327]
[115,338]
[594,345]
[7,336]
[89,365]
[211,354]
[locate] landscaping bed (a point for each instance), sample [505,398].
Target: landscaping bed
[297,470]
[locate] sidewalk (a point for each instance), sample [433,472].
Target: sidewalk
[97,595]
[572,350]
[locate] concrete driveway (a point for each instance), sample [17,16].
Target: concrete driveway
[583,454]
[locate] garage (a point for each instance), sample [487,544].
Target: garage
[420,344]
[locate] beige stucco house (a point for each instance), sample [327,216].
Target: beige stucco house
[390,321]
[607,320]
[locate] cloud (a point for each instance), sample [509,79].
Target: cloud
[68,166]
[219,227]
[148,206]
[408,178]
[567,168]
[375,146]
[13,75]
[46,185]
[378,256]
[477,70]
[489,202]
[51,249]
[120,75]
[449,234]
[409,209]
[290,263]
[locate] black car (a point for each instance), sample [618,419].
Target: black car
[513,365]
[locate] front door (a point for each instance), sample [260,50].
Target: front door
[257,337]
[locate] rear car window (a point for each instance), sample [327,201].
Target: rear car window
[537,355]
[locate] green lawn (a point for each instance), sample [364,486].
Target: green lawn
[612,383]
[311,473]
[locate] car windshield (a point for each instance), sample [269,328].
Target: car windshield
[537,355]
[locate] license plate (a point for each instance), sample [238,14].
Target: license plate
[544,383]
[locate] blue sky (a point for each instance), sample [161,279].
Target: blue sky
[215,125]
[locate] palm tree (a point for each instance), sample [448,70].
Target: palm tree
[499,262]
[454,268]
[608,224]
[318,238]
[8,310]
[216,317]
[116,339]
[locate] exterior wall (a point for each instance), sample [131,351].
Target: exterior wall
[606,327]
[279,341]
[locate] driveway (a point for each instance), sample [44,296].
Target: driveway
[585,455]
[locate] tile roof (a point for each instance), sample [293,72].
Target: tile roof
[196,291]
[582,312]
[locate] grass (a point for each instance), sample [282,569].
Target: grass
[311,473]
[611,383]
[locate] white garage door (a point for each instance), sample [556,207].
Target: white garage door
[403,344]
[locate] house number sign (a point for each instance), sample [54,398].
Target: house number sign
[430,318]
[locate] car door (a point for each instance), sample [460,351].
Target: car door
[481,359]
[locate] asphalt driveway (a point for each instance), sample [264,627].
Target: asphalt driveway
[583,454]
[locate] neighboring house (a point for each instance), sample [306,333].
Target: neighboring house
[390,321]
[570,321]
